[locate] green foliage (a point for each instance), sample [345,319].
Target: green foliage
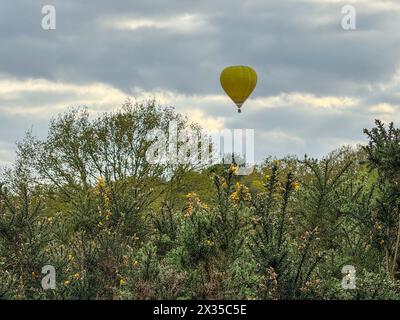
[86,201]
[383,152]
[284,262]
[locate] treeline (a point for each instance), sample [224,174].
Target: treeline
[86,201]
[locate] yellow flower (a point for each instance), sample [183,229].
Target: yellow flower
[296,185]
[70,257]
[234,197]
[188,211]
[258,185]
[234,169]
[210,243]
[33,274]
[122,282]
[100,223]
[241,193]
[77,276]
[100,182]
[100,186]
[382,242]
[193,201]
[222,182]
[378,226]
[67,282]
[135,263]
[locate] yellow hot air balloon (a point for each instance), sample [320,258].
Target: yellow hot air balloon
[238,82]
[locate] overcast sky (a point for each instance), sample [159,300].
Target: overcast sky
[319,85]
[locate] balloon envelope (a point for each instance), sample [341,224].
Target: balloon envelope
[238,82]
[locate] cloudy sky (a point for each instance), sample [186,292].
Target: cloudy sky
[319,85]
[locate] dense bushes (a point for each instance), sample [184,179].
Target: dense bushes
[86,201]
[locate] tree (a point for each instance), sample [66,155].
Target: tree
[383,151]
[113,147]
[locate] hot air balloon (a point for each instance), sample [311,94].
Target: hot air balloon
[238,82]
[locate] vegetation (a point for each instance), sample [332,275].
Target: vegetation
[114,226]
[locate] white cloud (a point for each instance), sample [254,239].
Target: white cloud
[333,143]
[186,23]
[195,107]
[382,108]
[42,98]
[282,137]
[305,99]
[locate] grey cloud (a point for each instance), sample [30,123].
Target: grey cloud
[296,46]
[286,41]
